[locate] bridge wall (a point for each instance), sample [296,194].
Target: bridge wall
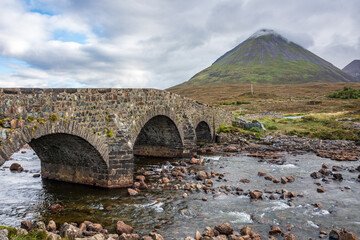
[110,120]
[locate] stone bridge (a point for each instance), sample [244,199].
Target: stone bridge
[90,136]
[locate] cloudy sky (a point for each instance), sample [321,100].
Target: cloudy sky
[157,43]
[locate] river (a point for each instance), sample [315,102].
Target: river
[23,197]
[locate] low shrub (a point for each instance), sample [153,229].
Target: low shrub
[346,93]
[256,130]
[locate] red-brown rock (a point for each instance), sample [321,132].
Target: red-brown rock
[274,230]
[256,194]
[56,208]
[27,225]
[16,167]
[132,192]
[122,227]
[224,228]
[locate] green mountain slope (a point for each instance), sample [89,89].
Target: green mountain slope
[267,57]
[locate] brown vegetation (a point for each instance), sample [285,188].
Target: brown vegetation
[285,98]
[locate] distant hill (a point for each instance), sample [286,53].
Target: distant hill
[268,57]
[353,69]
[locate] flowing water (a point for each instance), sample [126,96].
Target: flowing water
[23,197]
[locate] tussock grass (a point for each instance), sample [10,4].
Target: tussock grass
[320,125]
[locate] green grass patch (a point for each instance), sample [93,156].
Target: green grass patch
[322,126]
[258,133]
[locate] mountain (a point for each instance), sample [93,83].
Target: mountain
[353,69]
[268,57]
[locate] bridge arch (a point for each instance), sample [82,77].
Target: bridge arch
[203,133]
[66,150]
[159,137]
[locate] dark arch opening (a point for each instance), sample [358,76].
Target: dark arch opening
[159,137]
[203,133]
[70,158]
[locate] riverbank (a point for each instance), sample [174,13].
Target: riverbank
[279,181]
[94,231]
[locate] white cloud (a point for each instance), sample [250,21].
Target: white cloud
[159,43]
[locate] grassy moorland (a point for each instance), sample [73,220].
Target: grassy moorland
[332,126]
[284,98]
[330,112]
[340,125]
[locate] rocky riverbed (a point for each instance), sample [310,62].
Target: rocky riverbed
[279,188]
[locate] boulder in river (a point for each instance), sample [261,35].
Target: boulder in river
[244,180]
[342,235]
[122,227]
[224,228]
[325,165]
[201,175]
[16,167]
[289,236]
[275,230]
[284,180]
[316,175]
[338,176]
[256,194]
[270,178]
[132,192]
[245,231]
[56,208]
[291,178]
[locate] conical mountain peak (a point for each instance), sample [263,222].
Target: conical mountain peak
[265,32]
[268,57]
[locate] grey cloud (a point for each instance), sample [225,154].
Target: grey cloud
[163,43]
